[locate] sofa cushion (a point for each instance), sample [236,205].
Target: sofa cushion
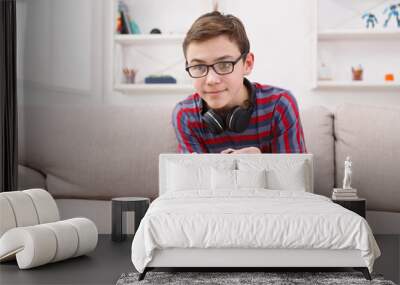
[97,151]
[103,151]
[29,178]
[317,124]
[371,137]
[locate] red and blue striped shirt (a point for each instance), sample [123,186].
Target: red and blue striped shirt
[274,127]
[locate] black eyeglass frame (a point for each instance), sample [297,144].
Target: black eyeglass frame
[243,55]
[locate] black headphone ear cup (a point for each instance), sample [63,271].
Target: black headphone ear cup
[214,122]
[238,119]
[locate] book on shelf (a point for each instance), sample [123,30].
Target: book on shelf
[125,19]
[344,194]
[345,198]
[126,27]
[341,190]
[337,196]
[118,23]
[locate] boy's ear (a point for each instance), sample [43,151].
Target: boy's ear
[248,63]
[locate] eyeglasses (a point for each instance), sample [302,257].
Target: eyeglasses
[221,68]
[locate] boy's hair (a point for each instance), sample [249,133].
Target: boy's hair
[214,24]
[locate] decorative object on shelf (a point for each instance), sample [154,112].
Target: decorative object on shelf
[159,79]
[336,43]
[129,75]
[155,31]
[389,77]
[324,72]
[135,27]
[346,192]
[123,19]
[118,23]
[393,11]
[347,173]
[371,19]
[357,73]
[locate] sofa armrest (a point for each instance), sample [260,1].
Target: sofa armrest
[30,178]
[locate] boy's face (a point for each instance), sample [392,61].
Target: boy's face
[219,91]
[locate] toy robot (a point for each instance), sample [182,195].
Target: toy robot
[371,19]
[392,12]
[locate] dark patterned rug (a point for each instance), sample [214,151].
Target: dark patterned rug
[270,278]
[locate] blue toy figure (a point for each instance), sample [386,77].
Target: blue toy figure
[371,19]
[392,12]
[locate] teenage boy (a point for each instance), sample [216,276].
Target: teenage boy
[229,114]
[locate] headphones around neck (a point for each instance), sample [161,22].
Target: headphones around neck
[236,120]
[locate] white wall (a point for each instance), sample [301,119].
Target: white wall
[60,51]
[281,33]
[67,51]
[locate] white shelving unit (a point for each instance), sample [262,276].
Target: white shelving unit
[154,87]
[321,84]
[122,44]
[355,34]
[350,43]
[149,38]
[154,54]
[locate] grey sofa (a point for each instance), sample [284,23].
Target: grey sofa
[85,155]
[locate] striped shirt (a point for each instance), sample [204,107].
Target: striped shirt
[274,127]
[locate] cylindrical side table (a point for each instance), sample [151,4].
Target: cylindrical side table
[123,204]
[357,205]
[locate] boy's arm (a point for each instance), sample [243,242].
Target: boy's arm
[287,131]
[188,140]
[247,150]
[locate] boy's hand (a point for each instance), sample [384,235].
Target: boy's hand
[251,149]
[228,150]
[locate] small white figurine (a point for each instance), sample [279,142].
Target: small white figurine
[324,72]
[347,174]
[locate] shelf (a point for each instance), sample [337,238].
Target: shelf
[181,88]
[132,39]
[356,85]
[353,34]
[349,44]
